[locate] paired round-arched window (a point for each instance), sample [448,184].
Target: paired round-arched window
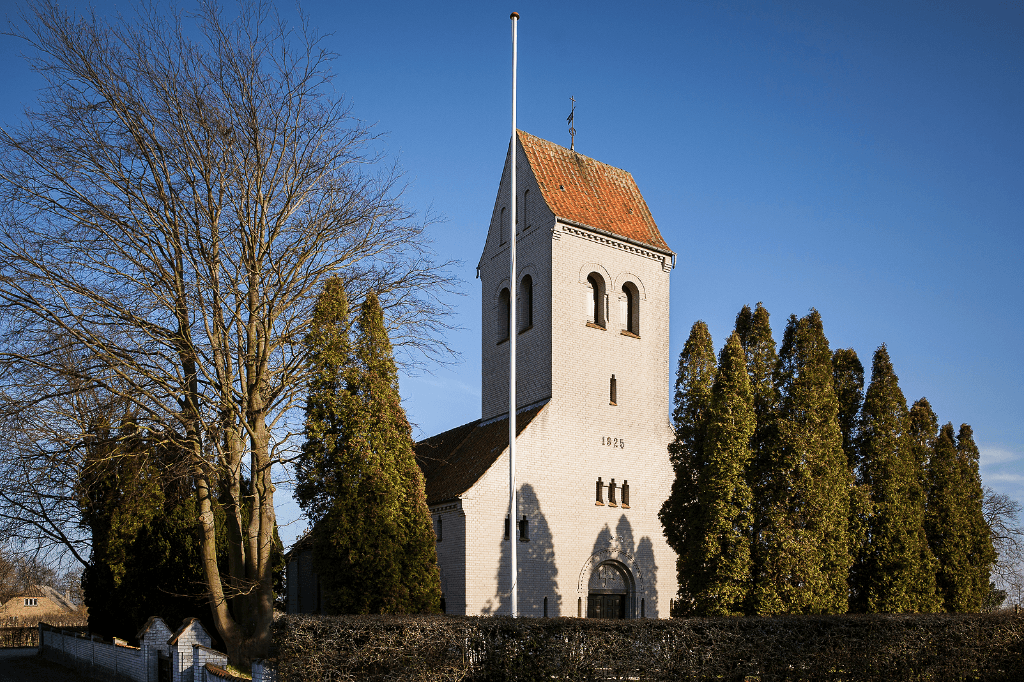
[595,306]
[631,308]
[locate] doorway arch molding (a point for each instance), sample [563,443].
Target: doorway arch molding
[616,553]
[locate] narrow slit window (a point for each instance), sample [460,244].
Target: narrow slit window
[439,529]
[613,391]
[526,298]
[525,211]
[524,529]
[506,528]
[600,491]
[611,494]
[545,607]
[503,226]
[505,310]
[625,494]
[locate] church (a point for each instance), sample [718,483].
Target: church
[592,417]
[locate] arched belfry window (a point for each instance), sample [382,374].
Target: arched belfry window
[526,303]
[631,308]
[503,226]
[505,311]
[595,303]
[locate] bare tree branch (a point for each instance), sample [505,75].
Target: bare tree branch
[170,209]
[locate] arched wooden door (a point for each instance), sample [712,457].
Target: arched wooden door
[608,591]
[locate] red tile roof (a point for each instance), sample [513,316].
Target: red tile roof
[454,460]
[582,190]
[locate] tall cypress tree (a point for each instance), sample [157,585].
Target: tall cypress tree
[755,332]
[948,531]
[898,572]
[330,403]
[135,498]
[848,375]
[694,378]
[981,553]
[923,428]
[718,560]
[374,544]
[762,359]
[804,544]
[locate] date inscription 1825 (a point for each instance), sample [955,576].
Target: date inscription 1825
[610,442]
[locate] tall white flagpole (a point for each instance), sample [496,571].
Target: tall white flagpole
[513,539]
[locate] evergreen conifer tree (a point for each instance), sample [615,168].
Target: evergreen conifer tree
[923,427]
[762,359]
[804,545]
[898,570]
[694,378]
[848,375]
[717,560]
[755,332]
[136,501]
[948,530]
[981,553]
[374,544]
[329,405]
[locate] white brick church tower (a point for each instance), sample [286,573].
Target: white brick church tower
[593,397]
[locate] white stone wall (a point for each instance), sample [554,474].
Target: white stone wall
[93,656]
[105,660]
[533,258]
[451,554]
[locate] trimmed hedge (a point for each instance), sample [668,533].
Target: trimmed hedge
[936,647]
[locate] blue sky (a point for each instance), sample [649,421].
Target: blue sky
[862,158]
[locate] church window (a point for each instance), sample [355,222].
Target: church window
[524,529]
[600,491]
[526,203]
[503,227]
[595,301]
[506,528]
[545,607]
[32,602]
[631,309]
[438,529]
[613,392]
[625,494]
[611,494]
[505,310]
[526,302]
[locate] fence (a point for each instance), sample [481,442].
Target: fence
[12,636]
[182,656]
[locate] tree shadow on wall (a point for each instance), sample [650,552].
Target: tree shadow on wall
[537,570]
[644,567]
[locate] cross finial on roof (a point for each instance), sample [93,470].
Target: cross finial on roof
[572,131]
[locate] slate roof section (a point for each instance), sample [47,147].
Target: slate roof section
[590,193]
[456,459]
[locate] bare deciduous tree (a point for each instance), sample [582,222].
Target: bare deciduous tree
[1002,513]
[170,207]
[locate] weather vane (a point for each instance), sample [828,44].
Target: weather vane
[572,131]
